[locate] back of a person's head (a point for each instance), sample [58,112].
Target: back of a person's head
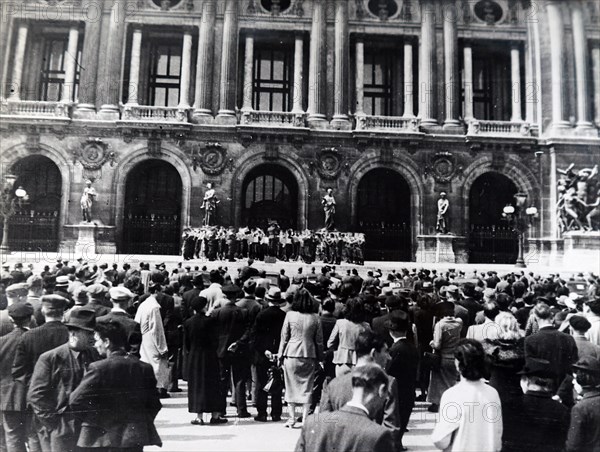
[303,301]
[329,305]
[366,341]
[369,377]
[518,289]
[260,292]
[490,309]
[215,277]
[542,311]
[472,361]
[354,310]
[503,300]
[594,305]
[508,326]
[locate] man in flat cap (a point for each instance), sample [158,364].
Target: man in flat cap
[15,419]
[584,430]
[121,298]
[55,376]
[116,402]
[98,302]
[15,293]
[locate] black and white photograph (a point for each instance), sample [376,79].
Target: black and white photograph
[300,225]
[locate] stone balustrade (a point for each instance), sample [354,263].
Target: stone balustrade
[387,123]
[35,108]
[495,128]
[147,113]
[273,118]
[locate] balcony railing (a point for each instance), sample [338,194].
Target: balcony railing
[35,108]
[387,123]
[495,128]
[149,113]
[273,118]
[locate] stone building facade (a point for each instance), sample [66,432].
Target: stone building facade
[387,102]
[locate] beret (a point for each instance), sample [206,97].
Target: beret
[54,301]
[231,289]
[120,294]
[20,310]
[580,323]
[17,290]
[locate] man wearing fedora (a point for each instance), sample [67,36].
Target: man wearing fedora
[584,430]
[265,337]
[55,376]
[116,402]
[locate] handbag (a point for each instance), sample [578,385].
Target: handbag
[275,382]
[433,360]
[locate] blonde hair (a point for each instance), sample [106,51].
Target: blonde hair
[509,327]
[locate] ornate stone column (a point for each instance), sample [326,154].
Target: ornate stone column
[340,102]
[248,66]
[360,76]
[70,65]
[109,89]
[18,61]
[204,68]
[451,81]
[515,78]
[553,199]
[581,68]
[186,69]
[596,80]
[6,32]
[426,65]
[409,88]
[468,81]
[316,67]
[557,37]
[227,87]
[298,73]
[90,55]
[134,66]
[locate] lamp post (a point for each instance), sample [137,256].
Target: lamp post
[520,219]
[9,201]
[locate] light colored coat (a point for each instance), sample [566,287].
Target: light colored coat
[154,343]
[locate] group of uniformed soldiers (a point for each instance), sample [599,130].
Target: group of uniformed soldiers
[220,243]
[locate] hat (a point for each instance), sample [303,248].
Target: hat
[54,301]
[35,281]
[18,265]
[274,295]
[588,364]
[398,321]
[120,294]
[250,286]
[453,289]
[427,286]
[62,281]
[97,290]
[580,323]
[83,319]
[20,310]
[17,290]
[392,302]
[230,289]
[537,367]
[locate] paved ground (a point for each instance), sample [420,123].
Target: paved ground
[178,435]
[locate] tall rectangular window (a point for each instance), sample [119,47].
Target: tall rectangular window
[165,73]
[379,76]
[52,74]
[272,78]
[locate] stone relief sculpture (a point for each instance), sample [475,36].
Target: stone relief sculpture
[578,204]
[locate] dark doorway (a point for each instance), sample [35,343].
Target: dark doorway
[152,218]
[35,224]
[270,192]
[491,238]
[383,215]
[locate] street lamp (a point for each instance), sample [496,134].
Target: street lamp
[9,202]
[520,219]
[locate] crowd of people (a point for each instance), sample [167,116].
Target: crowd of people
[510,362]
[220,243]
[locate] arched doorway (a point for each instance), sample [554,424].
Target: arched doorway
[383,215]
[35,224]
[270,192]
[152,215]
[491,239]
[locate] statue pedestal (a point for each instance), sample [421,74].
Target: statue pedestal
[582,250]
[442,248]
[87,240]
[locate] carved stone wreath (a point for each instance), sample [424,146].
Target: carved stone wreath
[213,159]
[329,163]
[443,167]
[93,154]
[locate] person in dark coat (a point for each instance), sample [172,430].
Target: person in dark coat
[41,339]
[116,402]
[542,422]
[422,314]
[202,371]
[350,428]
[98,302]
[16,420]
[283,281]
[468,301]
[232,323]
[266,334]
[189,295]
[392,304]
[121,298]
[403,367]
[55,376]
[584,430]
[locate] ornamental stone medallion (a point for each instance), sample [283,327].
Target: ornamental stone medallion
[329,163]
[443,167]
[93,154]
[213,159]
